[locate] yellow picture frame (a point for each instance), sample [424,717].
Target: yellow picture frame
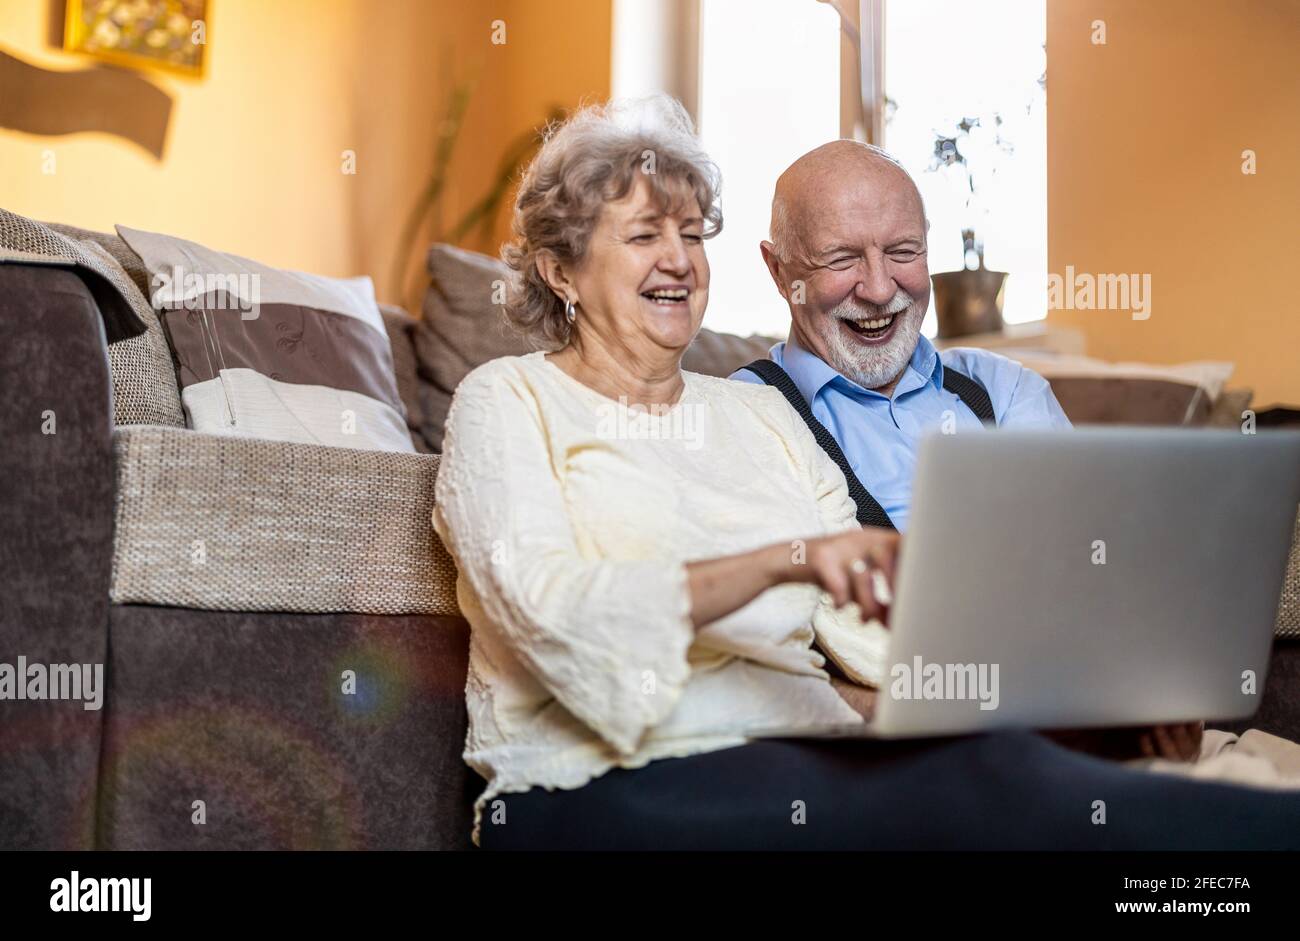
[141,33]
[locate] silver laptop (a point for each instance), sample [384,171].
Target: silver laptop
[1088,578]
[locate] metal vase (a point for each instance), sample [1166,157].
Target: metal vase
[968,301]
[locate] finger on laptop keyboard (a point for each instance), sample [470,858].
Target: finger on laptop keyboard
[861,575]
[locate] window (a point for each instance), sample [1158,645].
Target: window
[765,85]
[769,92]
[949,60]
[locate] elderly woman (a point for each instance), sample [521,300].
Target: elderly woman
[644,592]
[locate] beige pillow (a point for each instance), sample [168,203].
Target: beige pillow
[721,354]
[461,329]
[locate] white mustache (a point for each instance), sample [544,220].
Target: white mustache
[853,310]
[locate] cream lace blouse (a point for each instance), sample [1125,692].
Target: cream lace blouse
[571,516]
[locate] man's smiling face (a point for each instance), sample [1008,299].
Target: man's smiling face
[851,230]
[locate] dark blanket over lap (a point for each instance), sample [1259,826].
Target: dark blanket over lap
[1011,790]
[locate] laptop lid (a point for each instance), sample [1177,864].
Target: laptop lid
[1095,577]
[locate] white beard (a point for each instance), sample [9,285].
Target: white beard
[872,366]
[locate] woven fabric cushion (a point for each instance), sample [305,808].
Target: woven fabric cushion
[144,377]
[462,329]
[144,382]
[1288,611]
[121,252]
[274,354]
[229,523]
[29,242]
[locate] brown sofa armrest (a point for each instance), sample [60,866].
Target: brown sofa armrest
[56,537]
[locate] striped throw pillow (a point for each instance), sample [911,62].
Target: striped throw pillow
[276,354]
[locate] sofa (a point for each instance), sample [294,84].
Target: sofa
[284,655]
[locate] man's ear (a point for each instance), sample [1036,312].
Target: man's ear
[556,275]
[773,262]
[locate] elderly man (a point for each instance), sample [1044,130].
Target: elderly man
[848,253]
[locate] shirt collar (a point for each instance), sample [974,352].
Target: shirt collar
[811,373]
[927,363]
[808,370]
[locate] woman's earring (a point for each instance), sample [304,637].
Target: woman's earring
[570,313]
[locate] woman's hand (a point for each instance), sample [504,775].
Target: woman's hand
[843,565]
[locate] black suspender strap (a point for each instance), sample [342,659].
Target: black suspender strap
[870,513]
[973,395]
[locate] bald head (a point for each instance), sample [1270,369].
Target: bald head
[835,176]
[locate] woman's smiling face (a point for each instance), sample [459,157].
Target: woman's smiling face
[644,278]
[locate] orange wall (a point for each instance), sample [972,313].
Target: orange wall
[1144,143]
[558,52]
[253,155]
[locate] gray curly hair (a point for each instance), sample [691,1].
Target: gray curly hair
[594,157]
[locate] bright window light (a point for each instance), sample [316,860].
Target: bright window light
[769,92]
[946,60]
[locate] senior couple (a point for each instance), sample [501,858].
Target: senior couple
[640,604]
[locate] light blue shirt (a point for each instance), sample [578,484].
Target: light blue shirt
[879,434]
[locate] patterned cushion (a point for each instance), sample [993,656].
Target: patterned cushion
[240,524]
[274,354]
